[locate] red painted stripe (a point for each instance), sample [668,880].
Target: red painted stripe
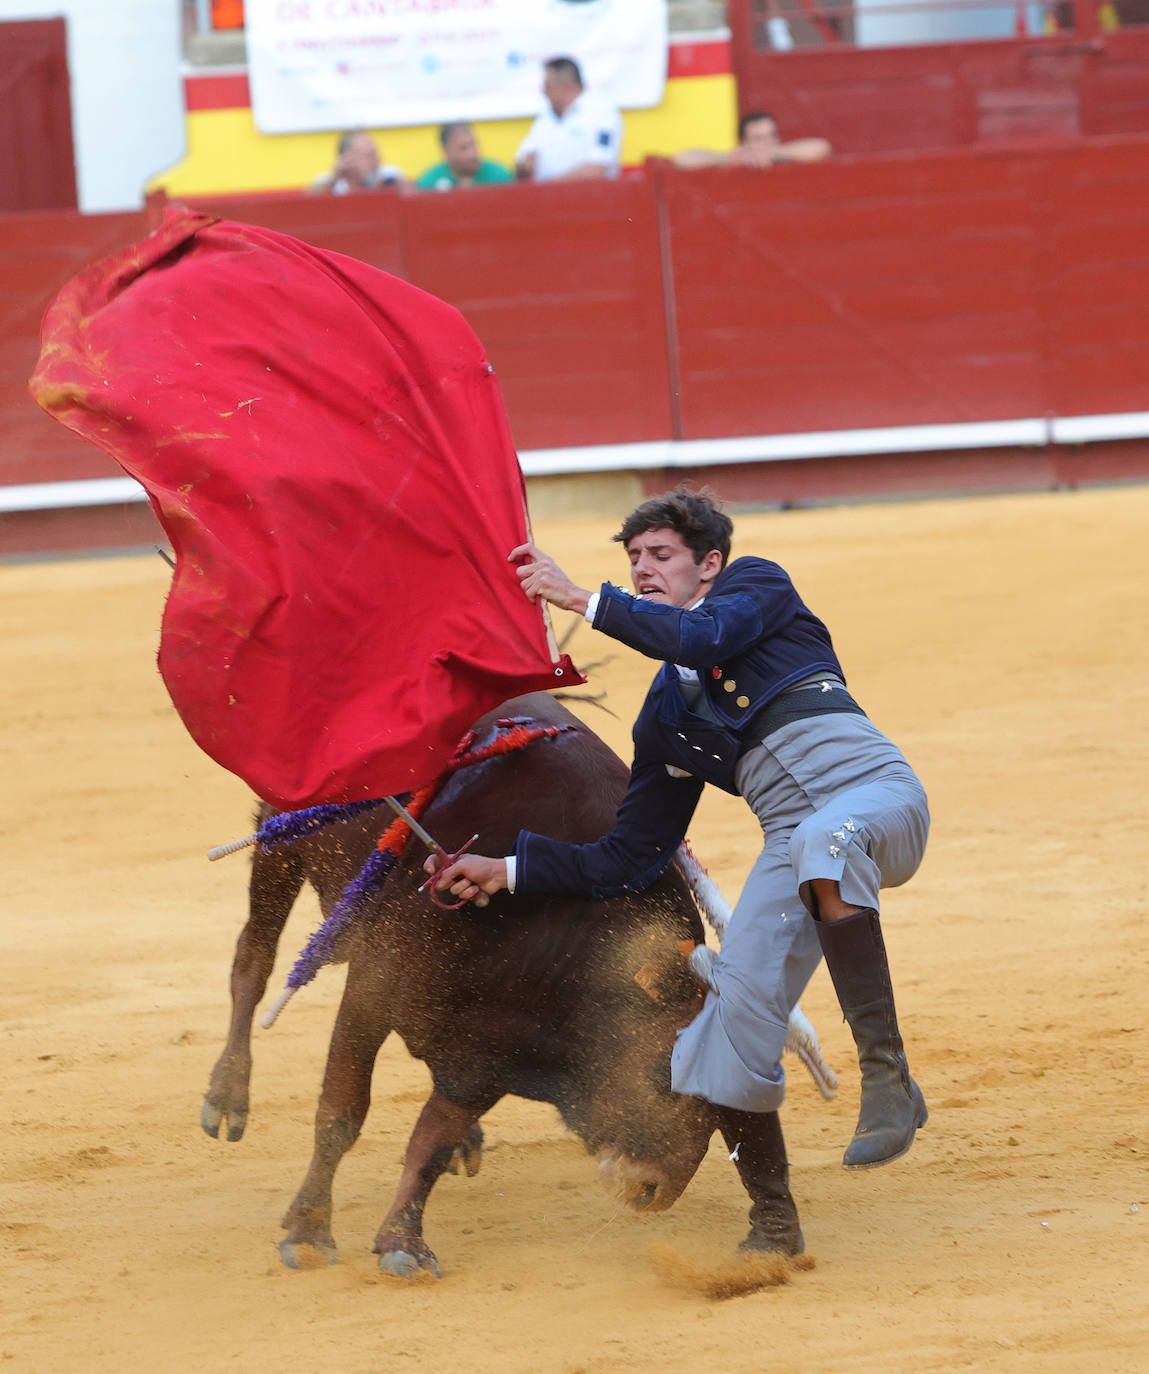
[208,91]
[711,58]
[212,92]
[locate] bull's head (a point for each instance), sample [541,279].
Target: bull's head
[648,1140]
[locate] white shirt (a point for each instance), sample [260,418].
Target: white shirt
[589,130]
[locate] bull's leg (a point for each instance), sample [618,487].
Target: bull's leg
[360,1029]
[276,879]
[442,1126]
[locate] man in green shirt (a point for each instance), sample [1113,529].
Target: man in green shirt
[463,165]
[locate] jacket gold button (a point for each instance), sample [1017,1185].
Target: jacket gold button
[742,701]
[730,685]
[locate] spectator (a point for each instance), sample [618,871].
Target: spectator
[577,137]
[358,167]
[759,145]
[463,164]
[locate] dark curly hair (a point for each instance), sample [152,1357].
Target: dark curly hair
[696,515]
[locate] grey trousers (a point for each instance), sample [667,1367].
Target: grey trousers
[836,799]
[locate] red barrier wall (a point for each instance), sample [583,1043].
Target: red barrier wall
[853,294]
[370,228]
[897,292]
[942,95]
[563,284]
[39,251]
[1094,281]
[964,286]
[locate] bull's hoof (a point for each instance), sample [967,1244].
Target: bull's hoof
[212,1117]
[407,1258]
[299,1255]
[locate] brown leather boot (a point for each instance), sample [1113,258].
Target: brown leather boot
[755,1142]
[892,1103]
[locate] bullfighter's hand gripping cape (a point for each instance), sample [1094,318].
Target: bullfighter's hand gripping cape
[327,450]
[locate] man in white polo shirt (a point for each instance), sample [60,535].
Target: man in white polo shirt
[578,136]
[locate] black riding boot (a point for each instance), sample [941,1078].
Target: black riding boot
[755,1141]
[892,1104]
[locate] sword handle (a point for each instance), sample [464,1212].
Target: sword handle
[445,861]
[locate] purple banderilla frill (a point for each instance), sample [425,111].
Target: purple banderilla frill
[321,947]
[516,732]
[289,826]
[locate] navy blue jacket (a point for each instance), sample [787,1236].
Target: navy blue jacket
[749,640]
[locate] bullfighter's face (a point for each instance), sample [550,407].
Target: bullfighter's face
[663,569]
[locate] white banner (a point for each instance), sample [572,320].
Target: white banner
[353,64]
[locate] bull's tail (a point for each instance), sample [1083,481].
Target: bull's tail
[802,1040]
[710,900]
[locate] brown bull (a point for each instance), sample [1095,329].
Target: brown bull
[533,997]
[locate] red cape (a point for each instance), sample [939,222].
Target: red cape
[327,449]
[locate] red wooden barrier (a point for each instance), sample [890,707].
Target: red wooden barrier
[37,157]
[941,95]
[563,284]
[366,227]
[885,293]
[1094,296]
[866,293]
[38,253]
[855,294]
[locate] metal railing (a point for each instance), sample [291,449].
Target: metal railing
[783,25]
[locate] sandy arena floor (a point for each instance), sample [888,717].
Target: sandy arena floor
[1002,643]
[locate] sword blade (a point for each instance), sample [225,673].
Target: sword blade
[436,848]
[416,829]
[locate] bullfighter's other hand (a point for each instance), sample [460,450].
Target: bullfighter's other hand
[540,575]
[469,875]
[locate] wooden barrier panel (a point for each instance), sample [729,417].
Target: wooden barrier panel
[37,154]
[929,96]
[959,287]
[39,251]
[884,293]
[563,284]
[367,227]
[1094,292]
[963,287]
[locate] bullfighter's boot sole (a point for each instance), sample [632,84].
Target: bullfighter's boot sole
[892,1105]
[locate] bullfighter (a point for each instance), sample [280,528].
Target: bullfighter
[752,698]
